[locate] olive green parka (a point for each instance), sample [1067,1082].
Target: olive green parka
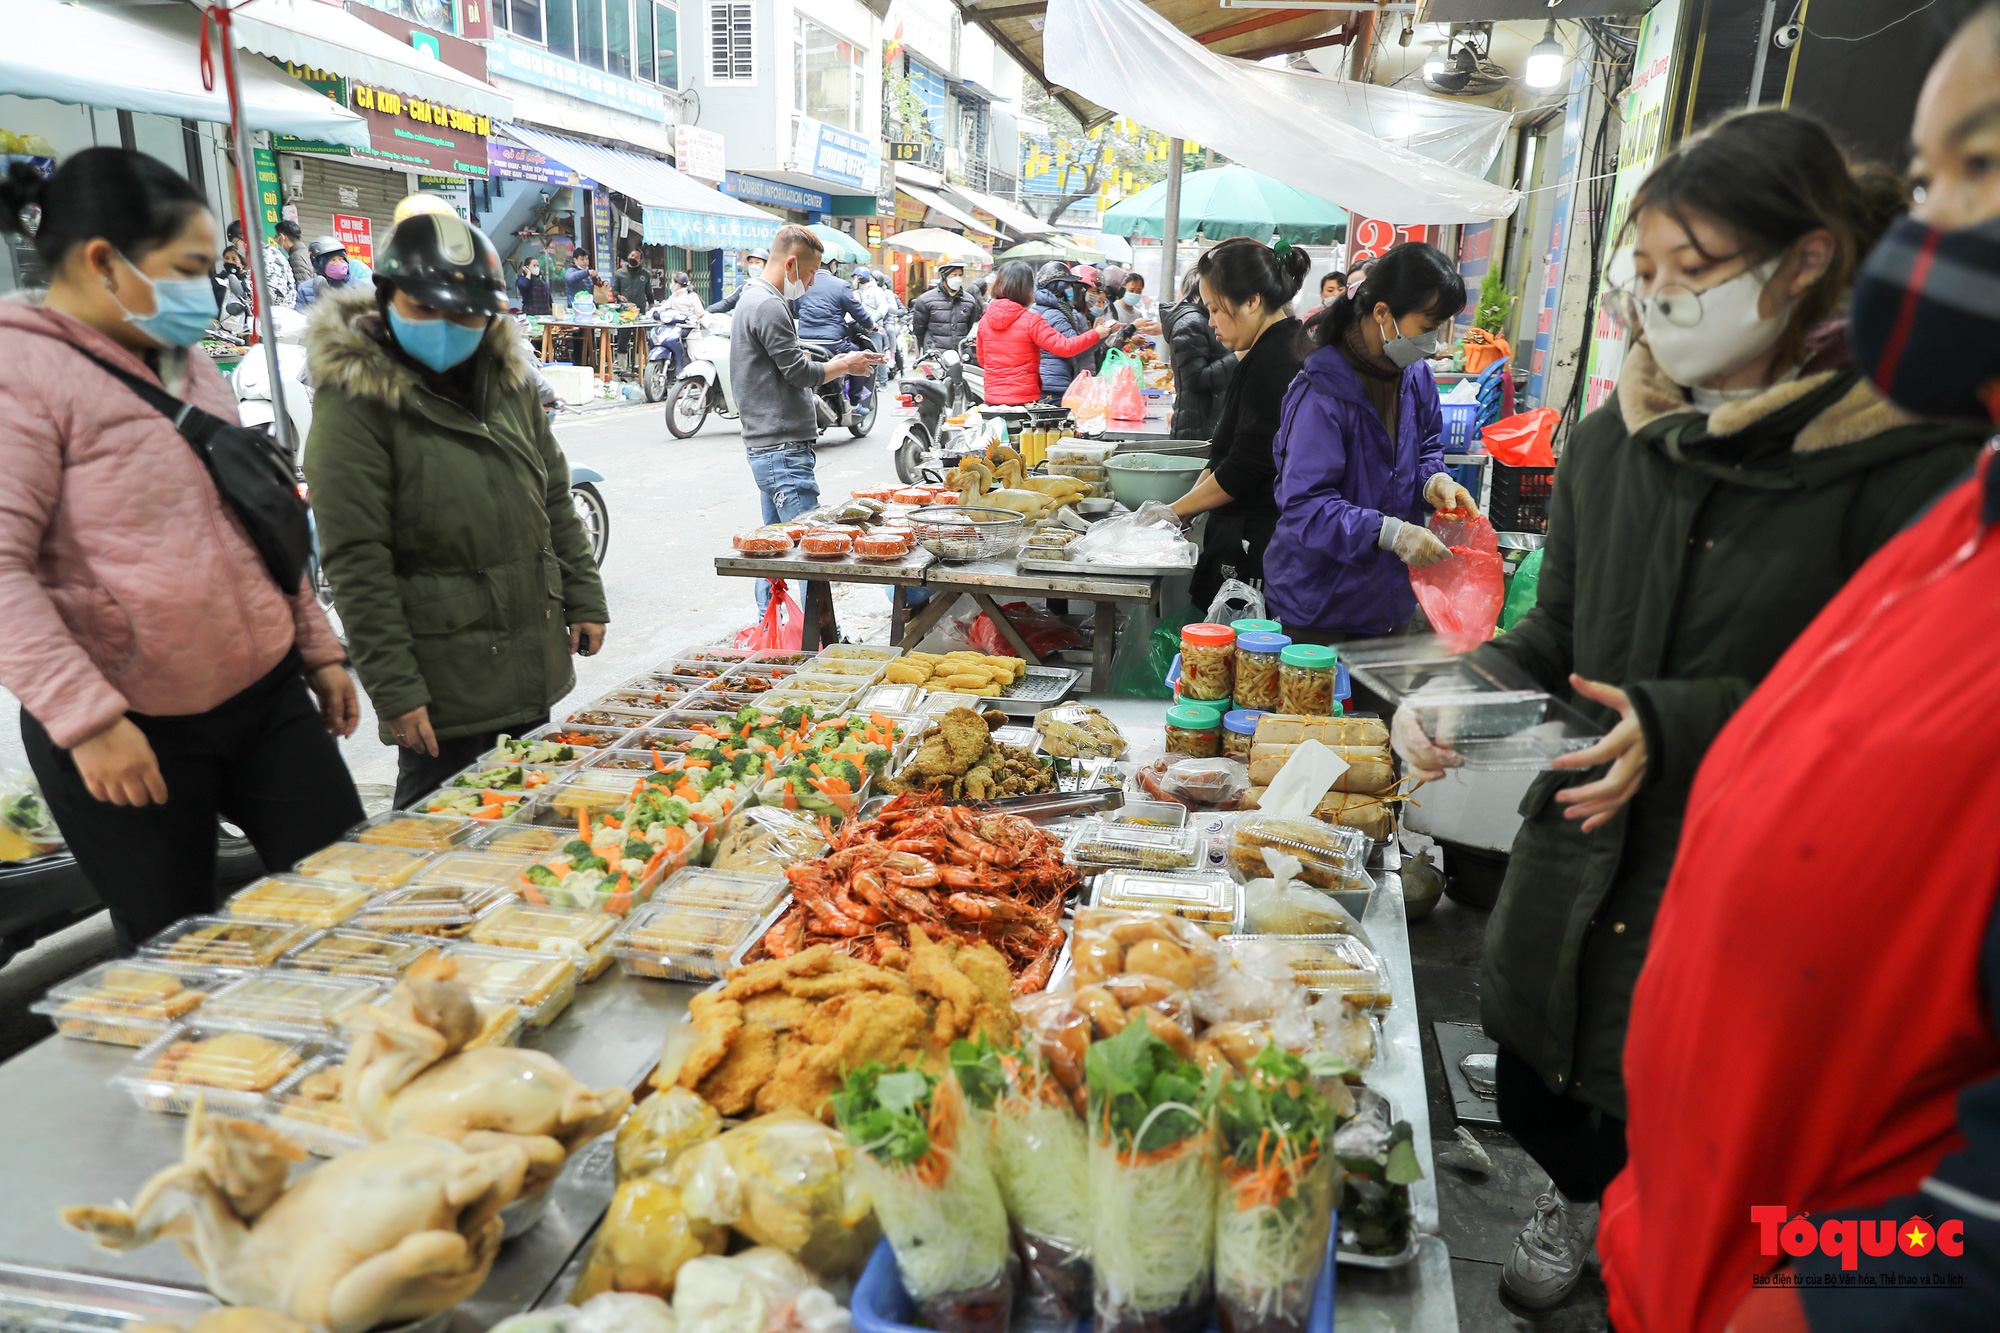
[1685,554]
[457,559]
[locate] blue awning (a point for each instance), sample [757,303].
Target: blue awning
[678,209]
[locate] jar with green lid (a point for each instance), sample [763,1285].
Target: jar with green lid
[1257,669]
[1243,627]
[1194,732]
[1305,679]
[1215,708]
[1239,725]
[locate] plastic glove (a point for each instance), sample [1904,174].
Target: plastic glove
[1152,512]
[1425,758]
[1413,543]
[1442,493]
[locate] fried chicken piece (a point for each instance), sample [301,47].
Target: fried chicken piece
[932,973]
[774,972]
[952,746]
[718,1021]
[782,1013]
[986,968]
[849,976]
[753,1057]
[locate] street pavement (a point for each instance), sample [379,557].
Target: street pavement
[674,506]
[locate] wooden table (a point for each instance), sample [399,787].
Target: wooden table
[984,580]
[819,576]
[601,328]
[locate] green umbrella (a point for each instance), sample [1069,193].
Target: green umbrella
[840,247]
[1043,249]
[1230,201]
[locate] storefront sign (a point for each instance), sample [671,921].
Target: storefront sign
[600,228]
[356,235]
[270,196]
[757,190]
[508,59]
[831,154]
[525,164]
[1574,114]
[874,236]
[475,20]
[454,190]
[706,231]
[906,152]
[698,152]
[1371,238]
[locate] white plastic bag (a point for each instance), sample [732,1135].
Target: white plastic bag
[1134,539]
[1235,600]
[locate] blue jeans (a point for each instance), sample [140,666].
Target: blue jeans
[788,488]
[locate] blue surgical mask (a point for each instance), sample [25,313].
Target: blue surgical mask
[182,309]
[437,343]
[1406,349]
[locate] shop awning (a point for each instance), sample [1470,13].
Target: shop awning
[307,32]
[937,203]
[148,58]
[679,210]
[1013,218]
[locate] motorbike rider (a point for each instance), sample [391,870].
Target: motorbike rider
[752,264]
[330,270]
[825,312]
[945,315]
[1055,302]
[684,299]
[461,617]
[876,296]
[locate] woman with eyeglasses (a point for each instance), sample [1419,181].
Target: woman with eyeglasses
[1742,474]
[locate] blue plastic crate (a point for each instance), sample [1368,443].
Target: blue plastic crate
[882,1306]
[1461,425]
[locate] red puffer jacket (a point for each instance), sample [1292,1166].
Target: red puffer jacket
[1011,341]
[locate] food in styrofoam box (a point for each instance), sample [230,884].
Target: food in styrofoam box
[959,672]
[1329,856]
[680,942]
[284,1002]
[861,669]
[703,707]
[1209,898]
[540,984]
[299,899]
[781,657]
[430,833]
[621,719]
[579,739]
[128,1001]
[714,652]
[349,951]
[224,943]
[1079,731]
[758,679]
[568,932]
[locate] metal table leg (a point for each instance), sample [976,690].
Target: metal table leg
[817,603]
[927,616]
[1104,645]
[1006,627]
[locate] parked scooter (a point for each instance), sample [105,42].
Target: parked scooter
[703,383]
[942,384]
[251,379]
[666,350]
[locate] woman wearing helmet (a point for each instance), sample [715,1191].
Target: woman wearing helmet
[1055,302]
[330,270]
[752,264]
[445,521]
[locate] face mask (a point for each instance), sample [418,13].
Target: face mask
[792,288]
[631,263]
[1931,344]
[954,283]
[182,309]
[336,270]
[437,343]
[1712,333]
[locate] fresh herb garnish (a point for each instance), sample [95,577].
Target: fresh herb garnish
[1133,1074]
[887,1113]
[980,1073]
[1275,1110]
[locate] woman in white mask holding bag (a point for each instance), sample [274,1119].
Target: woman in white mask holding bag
[1700,520]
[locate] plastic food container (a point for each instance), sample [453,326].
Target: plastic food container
[497,872]
[443,910]
[693,670]
[1193,732]
[715,653]
[1149,814]
[541,986]
[860,669]
[762,543]
[615,719]
[1257,667]
[223,943]
[912,495]
[655,692]
[1103,844]
[1335,965]
[1239,727]
[890,699]
[516,775]
[841,688]
[1208,661]
[126,1002]
[346,951]
[1305,680]
[890,545]
[306,1107]
[487,805]
[823,705]
[584,937]
[732,891]
[1071,451]
[663,740]
[1209,898]
[579,738]
[530,840]
[377,868]
[517,750]
[229,1068]
[678,942]
[1330,856]
[632,761]
[704,707]
[939,702]
[1094,473]
[591,791]
[825,544]
[758,679]
[284,1003]
[298,900]
[426,832]
[782,657]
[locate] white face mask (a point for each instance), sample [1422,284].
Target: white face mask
[1696,336]
[954,282]
[792,288]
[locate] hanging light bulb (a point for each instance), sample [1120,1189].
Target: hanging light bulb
[1434,67]
[1545,60]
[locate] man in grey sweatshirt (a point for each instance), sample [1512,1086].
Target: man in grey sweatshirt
[775,378]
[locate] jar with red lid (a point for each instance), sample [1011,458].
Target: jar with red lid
[1208,661]
[826,544]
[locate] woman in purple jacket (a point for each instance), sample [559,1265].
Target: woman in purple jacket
[1359,451]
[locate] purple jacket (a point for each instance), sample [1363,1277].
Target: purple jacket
[1338,474]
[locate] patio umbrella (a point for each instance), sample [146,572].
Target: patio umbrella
[840,247]
[935,243]
[1043,249]
[1231,201]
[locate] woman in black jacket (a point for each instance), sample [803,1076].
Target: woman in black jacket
[1245,286]
[1202,365]
[534,289]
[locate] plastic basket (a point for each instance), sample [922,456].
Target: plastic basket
[881,1305]
[1461,426]
[1521,498]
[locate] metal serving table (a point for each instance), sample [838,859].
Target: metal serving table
[71,1138]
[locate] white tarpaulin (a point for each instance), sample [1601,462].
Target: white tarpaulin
[148,58]
[1459,134]
[1123,55]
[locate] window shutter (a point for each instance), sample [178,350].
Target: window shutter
[731,56]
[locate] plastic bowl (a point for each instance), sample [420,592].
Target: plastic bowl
[1137,478]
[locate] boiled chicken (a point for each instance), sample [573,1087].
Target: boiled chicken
[388,1233]
[408,1073]
[975,481]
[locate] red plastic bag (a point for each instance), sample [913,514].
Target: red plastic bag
[1128,403]
[1524,440]
[1044,634]
[1078,388]
[1462,596]
[783,625]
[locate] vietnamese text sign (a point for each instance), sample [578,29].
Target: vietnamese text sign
[698,152]
[356,235]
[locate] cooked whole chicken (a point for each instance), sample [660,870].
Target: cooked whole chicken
[407,1073]
[392,1232]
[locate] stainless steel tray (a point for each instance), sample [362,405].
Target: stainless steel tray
[1033,565]
[1038,688]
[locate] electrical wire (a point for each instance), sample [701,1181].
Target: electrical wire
[1830,37]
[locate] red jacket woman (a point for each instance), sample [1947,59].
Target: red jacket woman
[1012,338]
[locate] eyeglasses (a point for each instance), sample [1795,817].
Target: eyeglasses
[1675,303]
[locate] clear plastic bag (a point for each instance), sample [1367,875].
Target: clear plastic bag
[1235,600]
[1198,784]
[27,829]
[787,1181]
[1134,539]
[1462,596]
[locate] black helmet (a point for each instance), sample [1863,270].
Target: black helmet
[445,263]
[322,246]
[1053,272]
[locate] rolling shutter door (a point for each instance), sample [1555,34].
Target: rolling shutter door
[377,192]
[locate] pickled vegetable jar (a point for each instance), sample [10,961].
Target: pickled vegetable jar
[1257,668]
[1238,726]
[1193,732]
[1208,661]
[1305,679]
[1243,627]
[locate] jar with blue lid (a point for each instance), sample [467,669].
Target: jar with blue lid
[1257,662]
[1239,725]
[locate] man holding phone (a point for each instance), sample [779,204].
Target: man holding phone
[775,379]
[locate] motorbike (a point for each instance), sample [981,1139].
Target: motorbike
[251,380]
[702,386]
[943,384]
[837,397]
[666,350]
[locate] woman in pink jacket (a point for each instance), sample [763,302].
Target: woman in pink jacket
[162,673]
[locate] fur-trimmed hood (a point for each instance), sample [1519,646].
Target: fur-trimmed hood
[344,351]
[1645,394]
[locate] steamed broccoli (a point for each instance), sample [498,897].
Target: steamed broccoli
[543,876]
